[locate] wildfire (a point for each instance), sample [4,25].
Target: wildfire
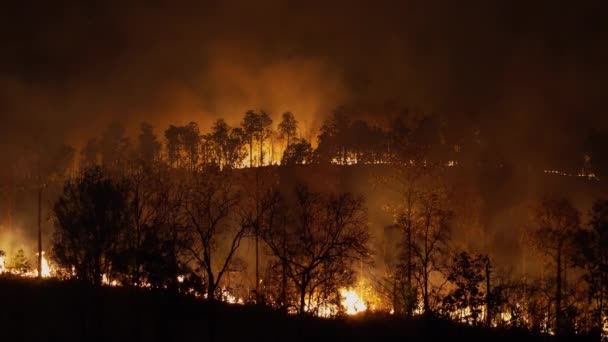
[105,279]
[231,299]
[45,266]
[1,263]
[351,302]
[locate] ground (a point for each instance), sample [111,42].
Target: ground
[47,310]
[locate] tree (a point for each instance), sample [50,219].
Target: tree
[334,137]
[20,263]
[405,182]
[219,141]
[556,223]
[174,145]
[288,127]
[319,242]
[113,146]
[466,299]
[592,247]
[210,207]
[148,148]
[264,132]
[252,127]
[299,152]
[160,252]
[90,216]
[225,145]
[2,256]
[234,147]
[191,140]
[429,240]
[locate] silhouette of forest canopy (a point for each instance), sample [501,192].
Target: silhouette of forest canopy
[173,214]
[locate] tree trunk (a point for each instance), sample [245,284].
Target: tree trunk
[261,151]
[210,286]
[558,293]
[302,296]
[426,290]
[395,310]
[488,305]
[39,232]
[250,152]
[410,297]
[284,269]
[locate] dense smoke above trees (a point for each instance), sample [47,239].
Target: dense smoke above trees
[444,158]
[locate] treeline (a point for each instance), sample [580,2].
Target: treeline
[427,272]
[152,228]
[155,226]
[258,141]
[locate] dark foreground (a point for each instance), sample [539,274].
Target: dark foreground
[32,310]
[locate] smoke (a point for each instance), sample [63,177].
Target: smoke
[529,76]
[520,70]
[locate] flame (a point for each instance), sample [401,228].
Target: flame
[105,279]
[351,302]
[2,264]
[230,298]
[45,266]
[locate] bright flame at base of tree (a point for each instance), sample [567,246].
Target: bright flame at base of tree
[46,268]
[351,302]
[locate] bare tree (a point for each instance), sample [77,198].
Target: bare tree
[322,238]
[592,247]
[556,222]
[429,240]
[211,220]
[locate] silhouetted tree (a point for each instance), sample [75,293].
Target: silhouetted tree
[288,127]
[234,147]
[334,137]
[20,263]
[297,153]
[113,146]
[556,224]
[467,274]
[409,182]
[148,148]
[225,144]
[592,255]
[174,145]
[191,138]
[252,129]
[218,141]
[210,209]
[90,216]
[161,248]
[324,236]
[429,239]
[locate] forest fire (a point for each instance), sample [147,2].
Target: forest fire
[20,266]
[349,166]
[45,267]
[2,263]
[351,302]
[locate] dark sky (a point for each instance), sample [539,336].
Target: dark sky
[532,74]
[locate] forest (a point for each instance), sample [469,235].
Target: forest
[253,214]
